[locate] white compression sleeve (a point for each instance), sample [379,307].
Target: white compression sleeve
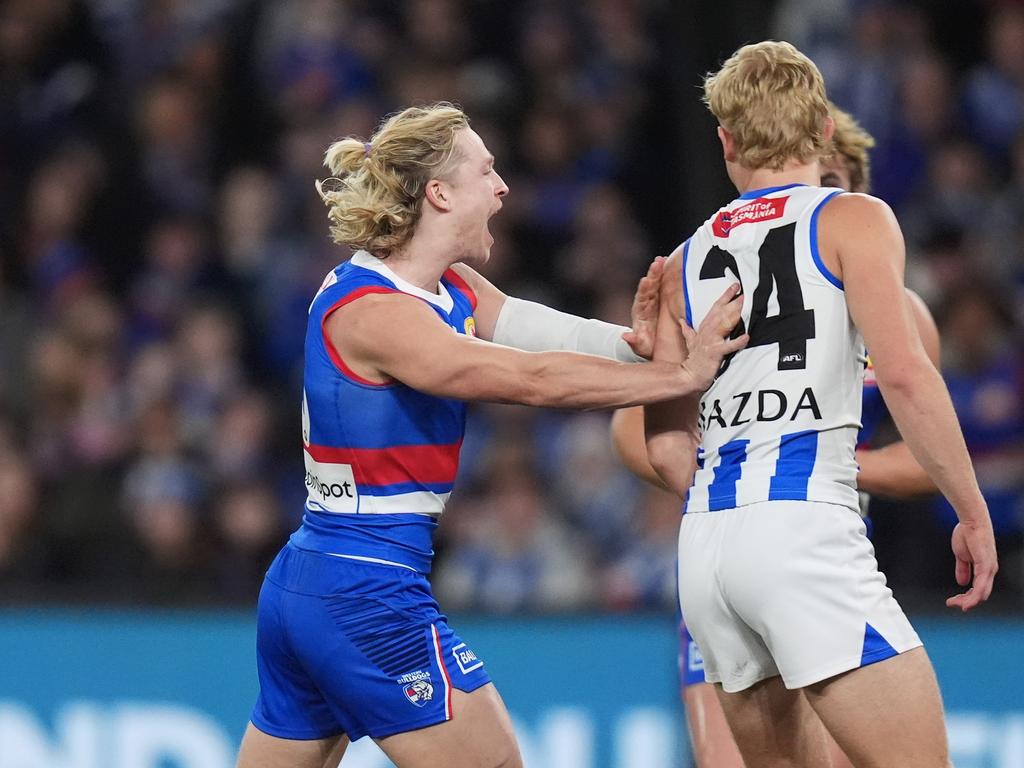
[534,327]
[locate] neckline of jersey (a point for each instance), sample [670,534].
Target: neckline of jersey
[751,194]
[442,299]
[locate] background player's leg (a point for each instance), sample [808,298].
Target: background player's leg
[886,714]
[713,744]
[479,735]
[261,750]
[774,727]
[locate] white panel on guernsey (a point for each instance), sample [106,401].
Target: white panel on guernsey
[332,488]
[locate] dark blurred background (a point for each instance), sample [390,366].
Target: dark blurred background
[160,240]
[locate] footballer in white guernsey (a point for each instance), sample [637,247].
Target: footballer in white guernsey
[778,581]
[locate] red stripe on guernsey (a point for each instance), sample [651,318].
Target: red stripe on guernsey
[332,352]
[396,464]
[455,279]
[444,672]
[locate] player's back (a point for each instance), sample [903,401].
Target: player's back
[780,421]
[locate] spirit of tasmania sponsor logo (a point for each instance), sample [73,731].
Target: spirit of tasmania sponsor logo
[762,209]
[331,487]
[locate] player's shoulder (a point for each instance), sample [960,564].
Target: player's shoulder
[857,209]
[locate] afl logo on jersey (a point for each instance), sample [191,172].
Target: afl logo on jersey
[469,326]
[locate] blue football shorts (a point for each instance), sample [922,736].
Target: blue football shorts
[353,647]
[691,663]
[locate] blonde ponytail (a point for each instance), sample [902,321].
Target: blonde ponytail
[376,188]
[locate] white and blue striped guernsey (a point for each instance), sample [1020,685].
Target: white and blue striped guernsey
[780,422]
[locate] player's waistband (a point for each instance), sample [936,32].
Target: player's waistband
[318,573]
[398,540]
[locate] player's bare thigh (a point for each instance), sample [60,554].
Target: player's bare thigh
[886,714]
[479,735]
[261,750]
[774,727]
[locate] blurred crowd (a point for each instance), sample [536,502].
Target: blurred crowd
[160,240]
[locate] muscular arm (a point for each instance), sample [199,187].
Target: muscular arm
[426,355]
[892,470]
[671,430]
[861,234]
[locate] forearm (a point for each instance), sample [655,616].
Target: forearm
[894,472]
[628,440]
[672,440]
[571,380]
[533,327]
[921,407]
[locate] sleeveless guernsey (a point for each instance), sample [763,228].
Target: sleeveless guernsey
[380,459]
[780,422]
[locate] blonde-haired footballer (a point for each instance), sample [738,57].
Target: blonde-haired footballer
[778,581]
[890,470]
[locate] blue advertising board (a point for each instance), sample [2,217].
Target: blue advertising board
[104,689]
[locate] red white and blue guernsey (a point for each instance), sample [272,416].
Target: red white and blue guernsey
[380,458]
[349,638]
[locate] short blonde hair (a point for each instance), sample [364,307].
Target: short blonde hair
[851,143]
[374,194]
[771,98]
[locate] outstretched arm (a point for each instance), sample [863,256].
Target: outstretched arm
[425,355]
[892,470]
[862,235]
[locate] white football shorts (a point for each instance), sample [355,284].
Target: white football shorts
[786,588]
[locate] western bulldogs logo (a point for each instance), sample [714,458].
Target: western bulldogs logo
[419,692]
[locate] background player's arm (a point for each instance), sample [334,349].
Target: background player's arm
[427,355]
[630,444]
[892,470]
[671,430]
[862,239]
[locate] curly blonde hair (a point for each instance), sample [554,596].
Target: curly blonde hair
[376,188]
[851,144]
[771,98]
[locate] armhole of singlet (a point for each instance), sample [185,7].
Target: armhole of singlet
[332,351]
[815,254]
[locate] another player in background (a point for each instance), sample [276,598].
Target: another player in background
[350,641]
[889,471]
[778,581]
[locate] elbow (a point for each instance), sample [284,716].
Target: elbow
[671,462]
[900,382]
[906,375]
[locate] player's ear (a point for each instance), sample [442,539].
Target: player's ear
[436,193]
[728,145]
[829,128]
